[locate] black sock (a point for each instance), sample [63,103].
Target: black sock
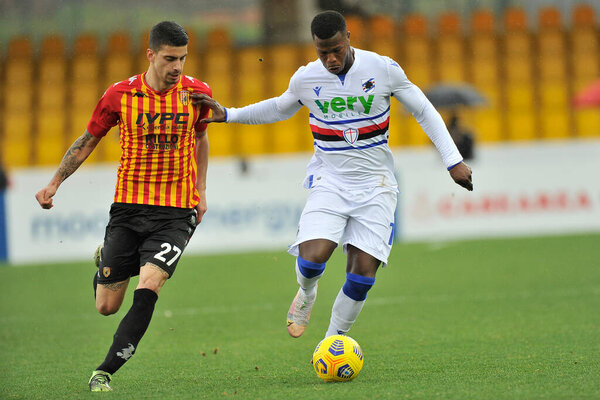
[95,283]
[130,330]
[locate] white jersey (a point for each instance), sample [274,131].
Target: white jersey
[349,119]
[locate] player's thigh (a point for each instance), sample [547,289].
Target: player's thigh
[165,245]
[317,250]
[371,226]
[361,263]
[324,217]
[119,257]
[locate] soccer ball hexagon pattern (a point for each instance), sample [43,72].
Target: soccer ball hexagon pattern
[337,358]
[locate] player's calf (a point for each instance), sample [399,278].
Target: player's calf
[308,273]
[348,303]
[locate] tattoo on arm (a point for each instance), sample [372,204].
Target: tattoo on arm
[72,159]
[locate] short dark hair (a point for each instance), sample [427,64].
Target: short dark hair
[327,23]
[167,33]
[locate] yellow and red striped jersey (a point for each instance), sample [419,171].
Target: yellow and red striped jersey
[157,136]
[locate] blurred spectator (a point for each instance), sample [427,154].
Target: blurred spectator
[462,137]
[3,178]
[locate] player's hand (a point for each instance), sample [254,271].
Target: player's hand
[200,209]
[218,111]
[462,175]
[44,197]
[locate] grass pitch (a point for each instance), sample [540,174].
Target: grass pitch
[489,319]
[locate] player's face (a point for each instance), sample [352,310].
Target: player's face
[335,52]
[168,63]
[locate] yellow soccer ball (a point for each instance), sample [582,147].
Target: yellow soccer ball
[337,358]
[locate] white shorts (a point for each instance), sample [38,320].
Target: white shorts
[362,218]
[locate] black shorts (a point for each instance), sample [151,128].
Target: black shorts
[137,234]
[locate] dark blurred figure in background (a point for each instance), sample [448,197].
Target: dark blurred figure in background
[3,179]
[4,184]
[462,137]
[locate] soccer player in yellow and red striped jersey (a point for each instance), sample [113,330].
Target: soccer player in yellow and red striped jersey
[160,195]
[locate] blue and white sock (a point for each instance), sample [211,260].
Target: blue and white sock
[308,273]
[348,303]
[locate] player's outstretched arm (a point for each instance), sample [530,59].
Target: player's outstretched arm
[73,158]
[462,175]
[203,100]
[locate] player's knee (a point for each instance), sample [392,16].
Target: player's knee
[317,251]
[107,308]
[152,277]
[357,286]
[310,269]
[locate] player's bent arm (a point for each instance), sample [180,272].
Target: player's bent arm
[413,99]
[73,158]
[79,151]
[433,125]
[202,167]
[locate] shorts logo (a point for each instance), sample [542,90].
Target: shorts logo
[351,135]
[184,97]
[106,272]
[368,85]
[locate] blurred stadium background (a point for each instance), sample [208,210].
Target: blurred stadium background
[511,318]
[527,57]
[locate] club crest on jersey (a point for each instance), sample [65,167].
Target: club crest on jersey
[184,97]
[351,135]
[368,85]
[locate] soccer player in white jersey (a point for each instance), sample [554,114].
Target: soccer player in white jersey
[351,174]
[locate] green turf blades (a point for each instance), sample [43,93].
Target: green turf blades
[489,319]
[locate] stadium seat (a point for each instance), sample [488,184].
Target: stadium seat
[140,61]
[383,38]
[217,63]
[552,67]
[450,50]
[359,34]
[84,89]
[119,61]
[585,63]
[50,136]
[518,64]
[521,125]
[193,62]
[307,53]
[483,56]
[282,62]
[251,88]
[487,124]
[118,67]
[417,60]
[18,104]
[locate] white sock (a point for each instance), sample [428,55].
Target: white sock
[307,284]
[343,314]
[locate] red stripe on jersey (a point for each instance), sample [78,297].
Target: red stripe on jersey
[340,133]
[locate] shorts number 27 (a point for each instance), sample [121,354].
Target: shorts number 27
[167,248]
